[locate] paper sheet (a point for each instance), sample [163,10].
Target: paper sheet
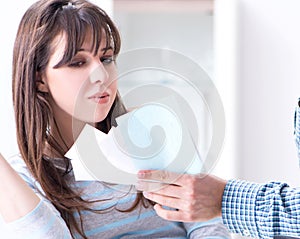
[147,138]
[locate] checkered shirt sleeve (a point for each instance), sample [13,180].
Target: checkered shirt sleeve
[261,210]
[297,129]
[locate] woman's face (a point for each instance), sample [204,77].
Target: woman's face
[84,89]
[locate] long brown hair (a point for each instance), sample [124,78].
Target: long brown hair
[41,23]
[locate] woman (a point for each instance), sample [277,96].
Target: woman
[64,76]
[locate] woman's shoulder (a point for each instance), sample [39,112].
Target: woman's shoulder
[17,163]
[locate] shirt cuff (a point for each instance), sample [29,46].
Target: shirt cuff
[238,207]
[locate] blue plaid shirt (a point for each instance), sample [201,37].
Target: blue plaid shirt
[297,129]
[263,210]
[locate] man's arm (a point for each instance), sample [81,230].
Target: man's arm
[261,210]
[250,209]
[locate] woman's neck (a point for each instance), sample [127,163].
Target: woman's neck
[65,131]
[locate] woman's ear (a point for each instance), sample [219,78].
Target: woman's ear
[41,84]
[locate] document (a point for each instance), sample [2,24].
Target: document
[150,137]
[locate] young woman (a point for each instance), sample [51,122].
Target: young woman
[64,76]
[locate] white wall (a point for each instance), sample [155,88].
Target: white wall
[189,32]
[257,72]
[257,58]
[8,29]
[268,89]
[225,65]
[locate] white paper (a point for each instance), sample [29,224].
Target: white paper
[134,145]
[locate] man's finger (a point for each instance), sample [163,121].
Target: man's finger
[170,215]
[170,202]
[150,186]
[161,176]
[169,190]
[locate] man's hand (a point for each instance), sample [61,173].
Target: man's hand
[195,197]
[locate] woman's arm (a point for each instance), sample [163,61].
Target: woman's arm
[24,212]
[16,197]
[213,228]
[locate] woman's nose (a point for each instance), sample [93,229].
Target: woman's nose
[98,74]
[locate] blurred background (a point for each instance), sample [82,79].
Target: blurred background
[249,48]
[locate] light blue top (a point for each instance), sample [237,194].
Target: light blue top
[45,221]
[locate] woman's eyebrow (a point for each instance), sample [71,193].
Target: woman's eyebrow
[104,49]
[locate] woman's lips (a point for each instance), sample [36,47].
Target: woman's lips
[100,98]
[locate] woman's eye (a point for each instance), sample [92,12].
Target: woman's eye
[77,63]
[107,59]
